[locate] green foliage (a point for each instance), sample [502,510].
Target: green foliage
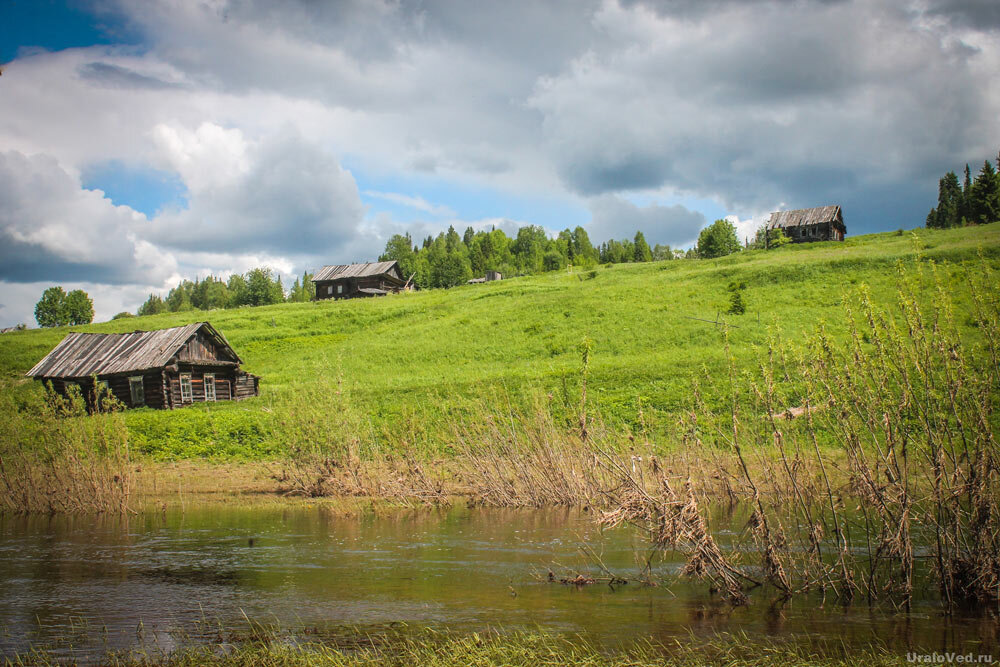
[770,239]
[984,199]
[950,203]
[449,260]
[154,305]
[736,304]
[263,288]
[717,240]
[50,309]
[123,315]
[641,251]
[400,248]
[303,290]
[56,308]
[79,308]
[662,252]
[974,202]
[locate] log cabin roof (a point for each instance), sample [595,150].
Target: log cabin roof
[805,216]
[81,355]
[337,271]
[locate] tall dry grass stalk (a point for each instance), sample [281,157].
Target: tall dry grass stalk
[905,413]
[527,460]
[57,458]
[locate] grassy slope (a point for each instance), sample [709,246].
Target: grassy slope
[413,363]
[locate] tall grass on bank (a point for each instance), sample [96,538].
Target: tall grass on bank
[57,458]
[267,647]
[335,451]
[910,407]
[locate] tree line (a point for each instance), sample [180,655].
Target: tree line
[450,259]
[257,287]
[446,260]
[974,202]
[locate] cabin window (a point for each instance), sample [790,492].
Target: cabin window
[329,289]
[135,390]
[340,289]
[186,396]
[209,386]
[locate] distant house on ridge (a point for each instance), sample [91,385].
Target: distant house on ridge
[168,368]
[825,223]
[348,281]
[490,277]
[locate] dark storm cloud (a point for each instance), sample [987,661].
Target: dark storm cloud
[22,262]
[974,14]
[810,103]
[616,218]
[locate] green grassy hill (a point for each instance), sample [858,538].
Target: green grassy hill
[409,366]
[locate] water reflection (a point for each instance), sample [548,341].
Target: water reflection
[158,576]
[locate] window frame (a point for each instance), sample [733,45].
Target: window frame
[209,380]
[131,390]
[190,388]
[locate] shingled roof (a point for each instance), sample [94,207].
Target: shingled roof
[804,216]
[353,270]
[81,355]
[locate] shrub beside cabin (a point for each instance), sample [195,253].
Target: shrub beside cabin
[168,368]
[825,223]
[350,281]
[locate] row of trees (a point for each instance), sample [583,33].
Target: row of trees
[56,308]
[257,287]
[451,259]
[973,202]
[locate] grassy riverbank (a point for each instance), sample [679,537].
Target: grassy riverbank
[528,649]
[402,371]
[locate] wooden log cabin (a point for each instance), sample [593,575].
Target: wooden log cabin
[824,223]
[351,281]
[168,368]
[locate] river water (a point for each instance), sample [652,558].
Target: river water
[158,579]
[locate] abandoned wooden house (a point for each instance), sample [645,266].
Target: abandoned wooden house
[168,368]
[349,281]
[490,276]
[825,223]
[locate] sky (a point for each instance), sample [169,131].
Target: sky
[144,143]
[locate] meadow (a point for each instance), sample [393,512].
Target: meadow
[404,370]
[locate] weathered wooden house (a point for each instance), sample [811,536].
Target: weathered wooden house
[349,281]
[489,277]
[168,368]
[825,223]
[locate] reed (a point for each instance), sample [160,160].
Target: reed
[57,458]
[899,424]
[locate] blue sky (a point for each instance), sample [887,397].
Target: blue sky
[52,25]
[143,143]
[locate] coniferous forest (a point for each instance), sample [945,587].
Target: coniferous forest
[976,201]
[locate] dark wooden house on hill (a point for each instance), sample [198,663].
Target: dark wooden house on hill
[825,223]
[168,368]
[348,281]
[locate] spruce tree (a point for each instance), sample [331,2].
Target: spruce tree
[641,250]
[984,204]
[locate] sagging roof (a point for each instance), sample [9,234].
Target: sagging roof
[354,270]
[805,216]
[81,355]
